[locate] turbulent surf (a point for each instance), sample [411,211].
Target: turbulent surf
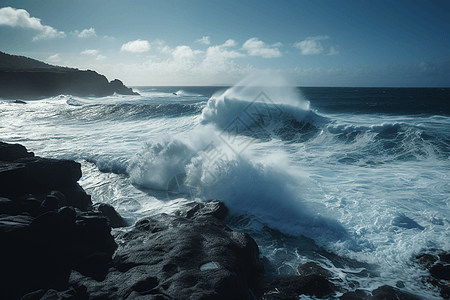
[356,179]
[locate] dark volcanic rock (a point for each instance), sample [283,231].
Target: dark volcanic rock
[118,87]
[25,78]
[114,218]
[33,254]
[312,268]
[22,174]
[39,253]
[439,268]
[190,255]
[311,280]
[41,237]
[384,292]
[11,152]
[387,292]
[291,286]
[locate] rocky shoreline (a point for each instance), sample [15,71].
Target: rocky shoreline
[26,78]
[55,244]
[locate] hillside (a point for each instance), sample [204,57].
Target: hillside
[25,78]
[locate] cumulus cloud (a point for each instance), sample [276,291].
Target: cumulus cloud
[85,33]
[21,18]
[185,65]
[311,45]
[333,51]
[229,43]
[137,46]
[100,57]
[219,52]
[54,58]
[184,52]
[204,40]
[92,52]
[255,47]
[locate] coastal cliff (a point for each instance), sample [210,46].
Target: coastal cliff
[26,78]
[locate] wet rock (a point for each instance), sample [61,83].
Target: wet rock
[353,296]
[36,175]
[189,254]
[387,292]
[291,286]
[33,253]
[51,294]
[11,152]
[440,271]
[193,210]
[93,245]
[117,86]
[313,268]
[8,207]
[39,252]
[41,237]
[439,267]
[108,211]
[426,260]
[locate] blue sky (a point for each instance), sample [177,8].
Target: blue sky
[314,43]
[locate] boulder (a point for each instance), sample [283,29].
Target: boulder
[189,255]
[292,286]
[39,252]
[36,175]
[387,292]
[117,86]
[33,253]
[11,152]
[311,279]
[438,265]
[44,232]
[108,211]
[310,268]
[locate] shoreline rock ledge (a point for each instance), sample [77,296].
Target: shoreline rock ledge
[26,78]
[189,255]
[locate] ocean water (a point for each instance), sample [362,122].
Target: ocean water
[356,179]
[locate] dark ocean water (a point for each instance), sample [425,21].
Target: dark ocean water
[393,101]
[356,179]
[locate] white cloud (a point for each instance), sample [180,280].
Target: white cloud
[229,43]
[100,57]
[256,47]
[219,60]
[54,58]
[85,33]
[21,18]
[311,45]
[137,46]
[183,65]
[333,51]
[184,52]
[218,52]
[165,49]
[204,40]
[92,52]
